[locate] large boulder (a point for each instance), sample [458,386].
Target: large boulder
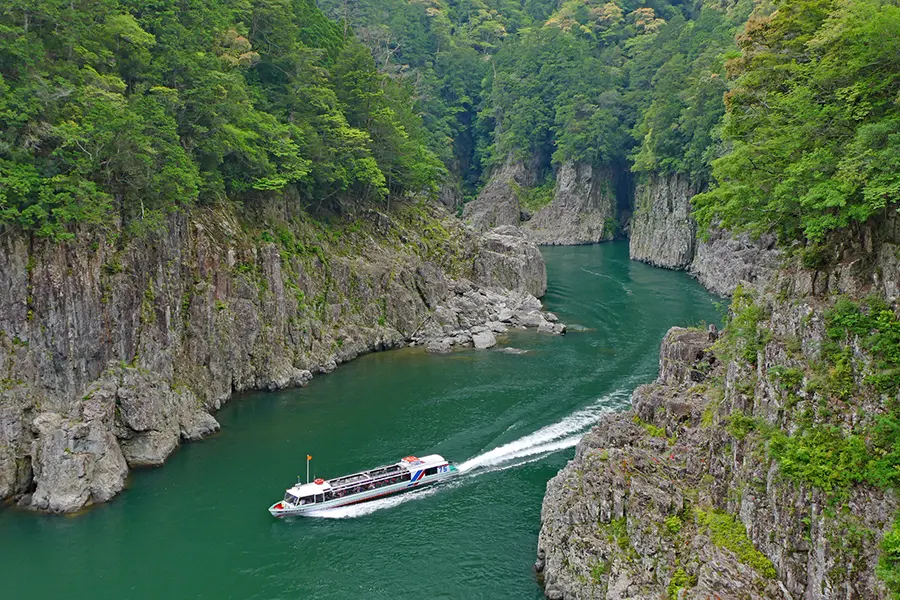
[76,463]
[508,260]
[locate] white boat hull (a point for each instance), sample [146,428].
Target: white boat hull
[288,510]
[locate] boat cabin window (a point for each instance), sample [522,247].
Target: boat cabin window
[431,471]
[289,497]
[405,477]
[320,498]
[306,500]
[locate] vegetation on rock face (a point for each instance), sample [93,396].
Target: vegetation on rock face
[843,404]
[725,531]
[889,564]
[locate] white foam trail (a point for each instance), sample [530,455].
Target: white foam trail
[552,438]
[547,439]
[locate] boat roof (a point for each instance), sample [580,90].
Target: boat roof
[423,462]
[408,463]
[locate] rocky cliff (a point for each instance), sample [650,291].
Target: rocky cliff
[759,464]
[664,234]
[583,209]
[498,203]
[114,349]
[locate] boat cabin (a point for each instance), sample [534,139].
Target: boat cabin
[409,469]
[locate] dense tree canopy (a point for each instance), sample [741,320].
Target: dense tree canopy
[136,107]
[119,106]
[812,123]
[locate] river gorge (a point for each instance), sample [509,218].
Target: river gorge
[198,527]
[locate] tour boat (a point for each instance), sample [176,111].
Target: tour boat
[407,474]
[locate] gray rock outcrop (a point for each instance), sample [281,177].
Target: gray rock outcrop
[507,260]
[663,232]
[112,353]
[583,209]
[498,202]
[471,316]
[685,495]
[662,501]
[723,260]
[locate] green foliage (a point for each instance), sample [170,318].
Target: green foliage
[119,109]
[651,429]
[743,337]
[680,581]
[726,532]
[811,121]
[617,531]
[673,524]
[599,570]
[888,568]
[740,425]
[878,330]
[534,198]
[822,456]
[682,76]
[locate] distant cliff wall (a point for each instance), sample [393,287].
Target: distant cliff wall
[664,234]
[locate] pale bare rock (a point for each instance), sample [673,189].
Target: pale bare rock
[508,260]
[663,232]
[498,202]
[75,463]
[724,260]
[583,209]
[484,339]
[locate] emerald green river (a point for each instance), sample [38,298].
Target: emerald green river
[199,526]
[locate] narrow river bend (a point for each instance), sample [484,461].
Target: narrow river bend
[198,527]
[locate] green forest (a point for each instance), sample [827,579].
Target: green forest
[134,109]
[785,111]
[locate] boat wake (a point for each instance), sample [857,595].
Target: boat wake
[530,448]
[552,438]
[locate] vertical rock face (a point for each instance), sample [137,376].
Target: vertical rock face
[583,210]
[112,354]
[663,501]
[723,261]
[498,203]
[663,232]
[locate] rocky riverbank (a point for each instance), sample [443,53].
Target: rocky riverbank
[724,480]
[115,349]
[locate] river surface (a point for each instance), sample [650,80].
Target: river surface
[199,528]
